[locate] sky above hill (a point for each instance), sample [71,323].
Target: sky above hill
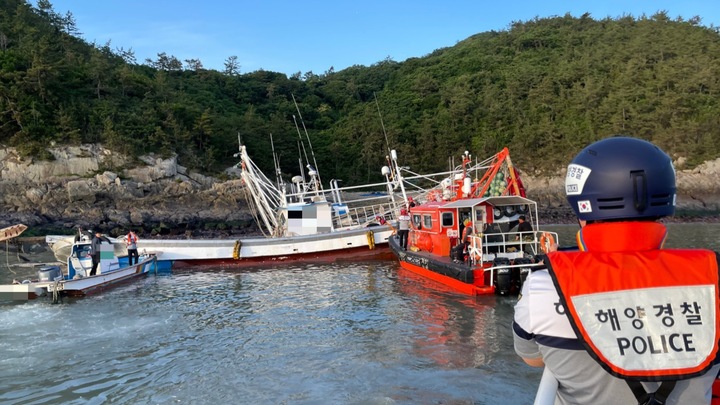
[316,35]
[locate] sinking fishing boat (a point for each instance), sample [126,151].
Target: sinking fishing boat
[300,220]
[489,199]
[110,271]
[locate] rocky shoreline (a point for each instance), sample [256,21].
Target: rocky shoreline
[92,188]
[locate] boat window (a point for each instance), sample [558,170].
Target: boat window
[446,219]
[416,221]
[427,221]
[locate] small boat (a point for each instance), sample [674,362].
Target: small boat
[30,289]
[26,289]
[63,245]
[110,271]
[497,257]
[12,231]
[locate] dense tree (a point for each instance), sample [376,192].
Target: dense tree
[544,87]
[232,66]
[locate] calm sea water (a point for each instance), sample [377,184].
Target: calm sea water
[341,333]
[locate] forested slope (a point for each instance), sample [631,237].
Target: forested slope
[544,87]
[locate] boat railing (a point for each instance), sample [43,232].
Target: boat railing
[361,215]
[494,269]
[488,246]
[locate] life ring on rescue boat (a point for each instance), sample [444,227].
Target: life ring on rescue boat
[546,240]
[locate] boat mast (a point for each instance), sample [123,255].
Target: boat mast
[276,162]
[392,161]
[301,152]
[315,178]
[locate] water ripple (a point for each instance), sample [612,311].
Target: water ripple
[362,333]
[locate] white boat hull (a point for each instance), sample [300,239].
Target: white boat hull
[253,249]
[23,291]
[86,285]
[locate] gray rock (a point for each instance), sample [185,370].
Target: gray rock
[160,196]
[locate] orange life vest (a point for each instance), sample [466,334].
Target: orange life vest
[642,312]
[466,233]
[131,238]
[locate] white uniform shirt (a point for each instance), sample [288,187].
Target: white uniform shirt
[541,329]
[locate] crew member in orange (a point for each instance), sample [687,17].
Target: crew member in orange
[131,240]
[458,252]
[622,320]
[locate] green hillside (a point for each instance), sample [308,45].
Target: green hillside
[545,88]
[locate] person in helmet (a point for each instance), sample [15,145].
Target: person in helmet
[622,320]
[403,228]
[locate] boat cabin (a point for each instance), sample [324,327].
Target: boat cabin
[308,218]
[438,226]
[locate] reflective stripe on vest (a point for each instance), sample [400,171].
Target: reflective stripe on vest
[650,315]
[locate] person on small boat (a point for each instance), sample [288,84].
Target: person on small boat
[523,226]
[403,228]
[525,234]
[95,250]
[622,320]
[131,240]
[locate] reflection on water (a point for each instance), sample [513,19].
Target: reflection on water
[348,333]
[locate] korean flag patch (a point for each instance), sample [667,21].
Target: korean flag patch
[584,206]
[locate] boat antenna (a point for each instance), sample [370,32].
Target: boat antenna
[301,144]
[308,139]
[382,124]
[301,148]
[391,158]
[276,161]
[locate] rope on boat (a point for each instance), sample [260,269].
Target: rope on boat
[7,258]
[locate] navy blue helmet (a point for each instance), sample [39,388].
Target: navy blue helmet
[621,178]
